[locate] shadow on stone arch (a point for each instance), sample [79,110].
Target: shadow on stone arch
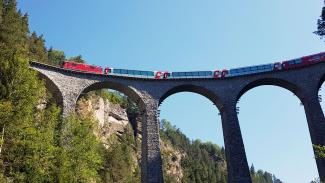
[53,88]
[129,92]
[194,89]
[273,82]
[321,81]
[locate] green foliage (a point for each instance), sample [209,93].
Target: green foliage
[120,165]
[80,156]
[77,59]
[113,97]
[263,177]
[320,151]
[27,151]
[37,50]
[321,24]
[203,161]
[55,57]
[116,97]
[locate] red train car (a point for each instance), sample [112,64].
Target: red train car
[82,67]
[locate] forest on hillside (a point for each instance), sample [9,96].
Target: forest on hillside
[38,145]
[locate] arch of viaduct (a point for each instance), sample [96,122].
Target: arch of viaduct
[67,87]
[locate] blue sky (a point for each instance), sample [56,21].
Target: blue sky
[194,35]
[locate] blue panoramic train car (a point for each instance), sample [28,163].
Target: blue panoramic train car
[132,73]
[194,74]
[251,70]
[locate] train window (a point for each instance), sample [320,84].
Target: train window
[298,61]
[150,73]
[260,67]
[316,57]
[209,73]
[202,73]
[232,71]
[195,73]
[246,69]
[131,72]
[137,72]
[267,66]
[174,74]
[188,73]
[291,62]
[123,71]
[253,68]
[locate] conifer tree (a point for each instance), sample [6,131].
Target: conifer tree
[321,24]
[37,49]
[55,57]
[26,148]
[77,59]
[80,157]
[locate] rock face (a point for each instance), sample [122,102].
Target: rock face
[172,160]
[114,120]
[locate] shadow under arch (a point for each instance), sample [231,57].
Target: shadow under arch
[194,89]
[321,82]
[128,91]
[273,82]
[52,87]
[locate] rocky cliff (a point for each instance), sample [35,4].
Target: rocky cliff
[114,120]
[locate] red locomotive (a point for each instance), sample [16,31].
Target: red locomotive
[82,67]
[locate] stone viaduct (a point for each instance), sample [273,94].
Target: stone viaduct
[67,86]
